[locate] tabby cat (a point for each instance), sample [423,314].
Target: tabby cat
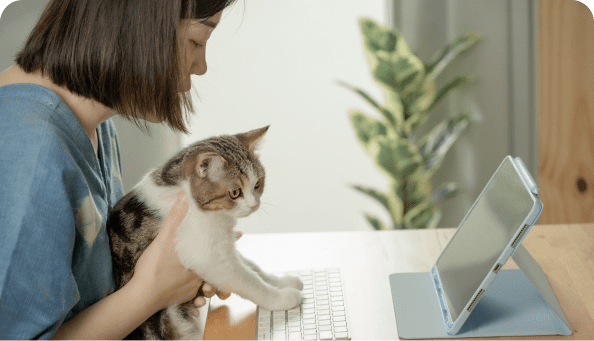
[223,180]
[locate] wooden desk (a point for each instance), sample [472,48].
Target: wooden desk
[366,259]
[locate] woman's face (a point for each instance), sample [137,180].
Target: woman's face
[194,35]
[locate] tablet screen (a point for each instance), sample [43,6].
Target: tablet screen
[495,218]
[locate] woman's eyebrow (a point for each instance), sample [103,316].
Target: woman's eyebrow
[208,23]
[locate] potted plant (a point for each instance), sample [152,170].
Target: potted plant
[410,96]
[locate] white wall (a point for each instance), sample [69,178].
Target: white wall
[277,62]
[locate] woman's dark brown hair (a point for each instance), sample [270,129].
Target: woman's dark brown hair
[121,53]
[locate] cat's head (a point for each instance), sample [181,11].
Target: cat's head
[225,174]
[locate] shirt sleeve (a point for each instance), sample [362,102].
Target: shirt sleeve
[37,236]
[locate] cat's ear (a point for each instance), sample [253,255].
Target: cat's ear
[207,164]
[251,138]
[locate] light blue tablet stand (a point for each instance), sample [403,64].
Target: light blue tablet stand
[517,303]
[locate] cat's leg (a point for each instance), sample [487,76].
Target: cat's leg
[279,282]
[235,276]
[181,323]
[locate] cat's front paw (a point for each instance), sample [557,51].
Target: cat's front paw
[288,298]
[290,282]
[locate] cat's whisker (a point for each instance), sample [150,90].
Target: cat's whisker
[269,215]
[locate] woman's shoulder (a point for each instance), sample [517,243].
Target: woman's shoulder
[34,116]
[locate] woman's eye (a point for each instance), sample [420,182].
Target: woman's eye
[236,193]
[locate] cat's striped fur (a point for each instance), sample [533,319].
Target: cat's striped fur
[224,180]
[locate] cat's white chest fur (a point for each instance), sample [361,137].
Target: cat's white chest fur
[201,234]
[205,243]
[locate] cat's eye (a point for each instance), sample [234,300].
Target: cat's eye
[258,184]
[236,193]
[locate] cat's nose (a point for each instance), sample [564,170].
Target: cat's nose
[254,207]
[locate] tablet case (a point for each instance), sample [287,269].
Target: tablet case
[517,303]
[507,165]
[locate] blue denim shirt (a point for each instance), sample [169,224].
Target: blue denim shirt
[55,193]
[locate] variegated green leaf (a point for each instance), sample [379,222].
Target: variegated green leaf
[367,129]
[378,37]
[418,104]
[375,194]
[383,152]
[389,115]
[422,216]
[400,73]
[418,189]
[453,84]
[444,57]
[395,202]
[436,144]
[444,192]
[375,222]
[394,106]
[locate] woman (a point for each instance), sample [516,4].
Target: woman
[85,62]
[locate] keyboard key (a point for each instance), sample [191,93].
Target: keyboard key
[338,313]
[279,337]
[324,323]
[337,303]
[309,327]
[342,336]
[295,329]
[325,335]
[294,336]
[340,329]
[309,321]
[336,293]
[323,312]
[337,308]
[340,324]
[338,318]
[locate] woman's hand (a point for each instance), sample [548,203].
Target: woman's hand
[159,271]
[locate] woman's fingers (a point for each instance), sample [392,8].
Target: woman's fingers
[177,213]
[208,290]
[199,302]
[223,295]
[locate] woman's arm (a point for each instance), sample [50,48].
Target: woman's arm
[114,317]
[159,280]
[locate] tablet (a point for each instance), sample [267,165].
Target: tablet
[488,235]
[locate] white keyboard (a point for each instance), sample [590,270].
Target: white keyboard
[321,316]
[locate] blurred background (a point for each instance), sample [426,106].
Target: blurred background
[278,63]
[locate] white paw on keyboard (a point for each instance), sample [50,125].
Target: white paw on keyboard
[320,316]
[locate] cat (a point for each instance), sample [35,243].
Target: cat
[223,180]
